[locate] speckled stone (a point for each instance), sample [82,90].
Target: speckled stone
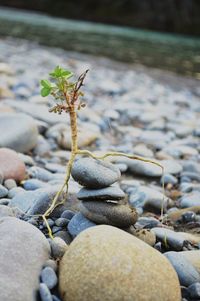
[106,263]
[109,213]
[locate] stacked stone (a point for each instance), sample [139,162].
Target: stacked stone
[100,197]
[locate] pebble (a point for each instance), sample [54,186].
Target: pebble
[186,272]
[144,234]
[11,165]
[190,200]
[48,276]
[23,133]
[3,191]
[64,235]
[105,256]
[79,223]
[61,222]
[58,247]
[6,211]
[68,214]
[10,183]
[168,179]
[45,293]
[95,174]
[51,263]
[40,174]
[108,193]
[33,184]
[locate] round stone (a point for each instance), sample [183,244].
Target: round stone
[106,263]
[22,134]
[45,293]
[11,165]
[109,213]
[95,174]
[48,276]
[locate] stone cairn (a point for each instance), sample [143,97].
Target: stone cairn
[100,197]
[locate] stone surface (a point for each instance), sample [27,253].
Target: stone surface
[58,247]
[109,213]
[193,257]
[108,193]
[186,272]
[22,134]
[6,211]
[170,238]
[23,252]
[93,269]
[79,223]
[11,166]
[45,293]
[95,174]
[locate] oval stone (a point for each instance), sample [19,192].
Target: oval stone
[95,174]
[109,213]
[106,263]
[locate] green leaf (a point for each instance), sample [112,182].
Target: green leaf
[60,72]
[45,91]
[45,83]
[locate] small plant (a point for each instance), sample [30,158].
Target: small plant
[67,96]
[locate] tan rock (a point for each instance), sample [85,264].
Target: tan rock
[106,263]
[11,166]
[175,215]
[145,235]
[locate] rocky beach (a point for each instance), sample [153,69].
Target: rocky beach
[118,235]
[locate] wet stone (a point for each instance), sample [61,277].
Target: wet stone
[45,293]
[95,174]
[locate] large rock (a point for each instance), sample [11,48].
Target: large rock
[106,263]
[24,249]
[11,166]
[95,174]
[18,131]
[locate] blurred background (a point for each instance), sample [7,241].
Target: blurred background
[178,16]
[159,34]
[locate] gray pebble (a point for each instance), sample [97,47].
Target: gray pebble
[51,263]
[58,247]
[40,173]
[108,193]
[3,191]
[79,223]
[186,272]
[61,222]
[55,298]
[33,184]
[169,179]
[68,214]
[45,294]
[50,222]
[95,174]
[48,276]
[64,235]
[56,229]
[10,183]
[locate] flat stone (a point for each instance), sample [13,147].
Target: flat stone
[144,196]
[79,223]
[108,193]
[11,166]
[109,213]
[58,247]
[103,258]
[186,272]
[190,200]
[23,253]
[22,134]
[95,174]
[34,202]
